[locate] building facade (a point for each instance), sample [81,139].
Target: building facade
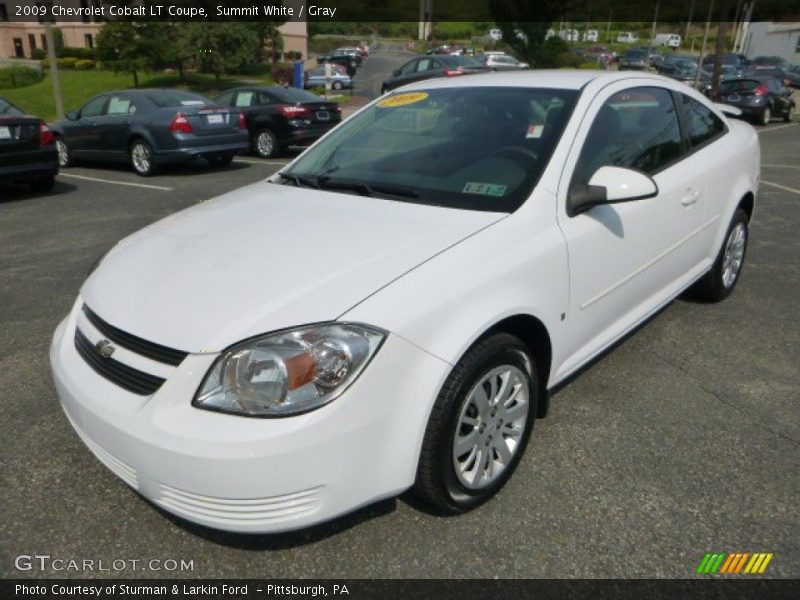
[20,36]
[773,39]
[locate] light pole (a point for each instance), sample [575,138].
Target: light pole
[51,55]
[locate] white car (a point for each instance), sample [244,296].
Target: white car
[626,37]
[391,309]
[495,35]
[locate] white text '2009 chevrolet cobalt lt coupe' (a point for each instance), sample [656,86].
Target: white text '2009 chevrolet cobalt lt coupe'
[391,309]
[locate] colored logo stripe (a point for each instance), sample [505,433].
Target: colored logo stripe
[722,563]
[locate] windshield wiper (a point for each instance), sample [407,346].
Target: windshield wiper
[367,189]
[300,180]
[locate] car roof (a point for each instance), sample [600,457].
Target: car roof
[541,78]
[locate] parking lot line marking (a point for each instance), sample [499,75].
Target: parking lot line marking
[778,127]
[782,187]
[117,182]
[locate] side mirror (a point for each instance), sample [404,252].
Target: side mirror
[396,72]
[72,116]
[610,185]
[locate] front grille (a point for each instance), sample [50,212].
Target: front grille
[124,376]
[156,352]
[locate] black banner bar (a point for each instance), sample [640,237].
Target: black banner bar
[343,11]
[740,588]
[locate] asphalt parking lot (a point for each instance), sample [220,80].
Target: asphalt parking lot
[681,441]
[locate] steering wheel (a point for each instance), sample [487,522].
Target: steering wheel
[522,156]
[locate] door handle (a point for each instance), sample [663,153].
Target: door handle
[691,198]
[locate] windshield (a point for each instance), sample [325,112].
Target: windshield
[6,108]
[292,95]
[476,148]
[168,98]
[738,85]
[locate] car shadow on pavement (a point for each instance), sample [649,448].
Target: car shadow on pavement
[18,193]
[286,540]
[190,168]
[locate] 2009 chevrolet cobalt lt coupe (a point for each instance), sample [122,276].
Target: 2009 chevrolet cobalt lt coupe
[391,309]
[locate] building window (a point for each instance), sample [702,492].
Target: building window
[88,40]
[43,37]
[32,42]
[3,12]
[18,51]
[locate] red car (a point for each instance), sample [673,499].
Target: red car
[600,52]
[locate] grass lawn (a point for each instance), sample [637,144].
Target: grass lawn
[78,86]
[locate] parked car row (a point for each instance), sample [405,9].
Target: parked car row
[434,65]
[151,128]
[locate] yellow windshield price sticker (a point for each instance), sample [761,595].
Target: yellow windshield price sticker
[402,99]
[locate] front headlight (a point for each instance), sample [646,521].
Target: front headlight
[288,372]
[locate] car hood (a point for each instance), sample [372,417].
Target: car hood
[263,258]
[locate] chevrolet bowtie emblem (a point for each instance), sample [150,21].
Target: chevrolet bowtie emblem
[104,348]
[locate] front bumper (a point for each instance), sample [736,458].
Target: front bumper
[254,475]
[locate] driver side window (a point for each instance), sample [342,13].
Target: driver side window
[93,108]
[409,68]
[635,129]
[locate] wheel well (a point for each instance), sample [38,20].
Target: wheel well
[133,138]
[534,335]
[747,203]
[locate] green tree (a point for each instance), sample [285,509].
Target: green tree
[228,47]
[524,24]
[129,47]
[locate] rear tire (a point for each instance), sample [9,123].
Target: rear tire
[720,281]
[789,115]
[45,184]
[265,145]
[64,156]
[337,85]
[479,426]
[766,116]
[141,156]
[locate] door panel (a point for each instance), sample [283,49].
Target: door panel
[113,128]
[626,258]
[82,135]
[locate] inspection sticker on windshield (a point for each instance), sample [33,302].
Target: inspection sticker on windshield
[402,99]
[485,189]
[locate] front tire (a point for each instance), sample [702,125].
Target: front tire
[719,282]
[337,85]
[479,426]
[789,114]
[142,158]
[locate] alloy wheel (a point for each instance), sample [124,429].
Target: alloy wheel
[265,144]
[734,255]
[490,426]
[63,153]
[141,157]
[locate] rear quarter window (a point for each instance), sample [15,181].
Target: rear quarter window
[703,126]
